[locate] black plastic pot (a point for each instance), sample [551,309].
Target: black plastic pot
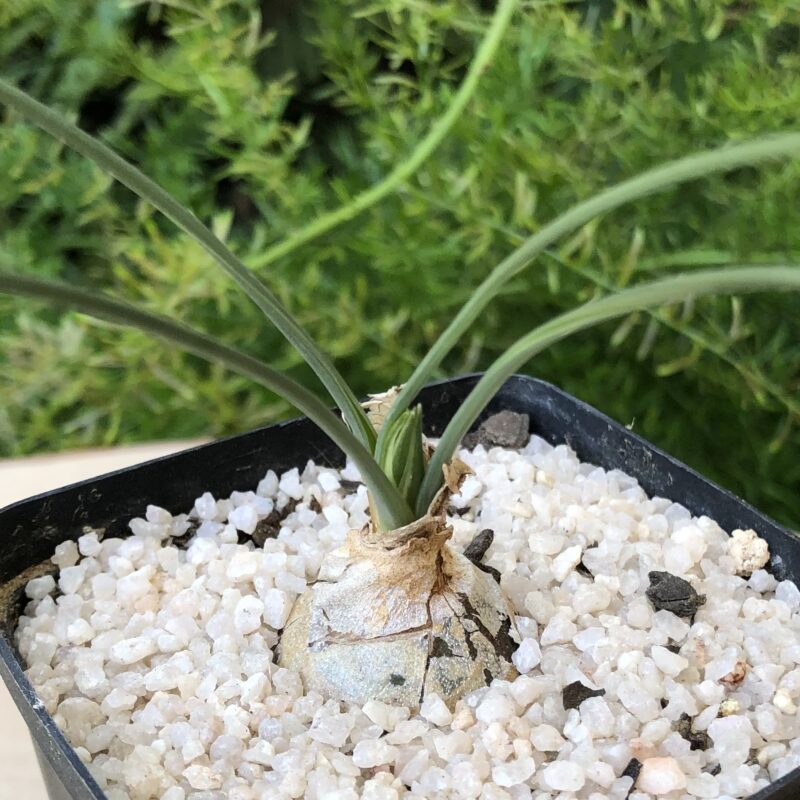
[32,528]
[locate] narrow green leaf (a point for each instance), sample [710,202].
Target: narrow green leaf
[638,298]
[709,258]
[148,190]
[698,165]
[392,509]
[403,457]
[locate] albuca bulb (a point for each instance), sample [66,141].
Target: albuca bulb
[396,616]
[379,405]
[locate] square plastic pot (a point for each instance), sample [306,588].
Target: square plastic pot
[31,529]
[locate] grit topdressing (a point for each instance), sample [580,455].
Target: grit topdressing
[657,658]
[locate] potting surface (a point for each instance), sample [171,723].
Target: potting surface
[20,478]
[557,416]
[584,502]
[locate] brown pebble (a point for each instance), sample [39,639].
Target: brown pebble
[182,541]
[267,528]
[574,694]
[270,526]
[736,675]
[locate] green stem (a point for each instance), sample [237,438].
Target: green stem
[148,190]
[403,171]
[392,509]
[654,180]
[638,298]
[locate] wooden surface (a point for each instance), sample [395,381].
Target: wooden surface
[19,772]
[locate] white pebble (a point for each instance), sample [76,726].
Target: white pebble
[788,593]
[749,552]
[89,545]
[66,554]
[514,772]
[268,486]
[385,715]
[668,662]
[71,578]
[244,518]
[703,786]
[200,777]
[762,581]
[129,651]
[545,738]
[205,506]
[590,598]
[328,481]
[527,656]
[247,615]
[602,774]
[435,710]
[660,776]
[783,701]
[276,608]
[39,588]
[118,700]
[564,776]
[373,752]
[450,745]
[158,515]
[135,585]
[290,484]
[495,707]
[243,565]
[597,717]
[566,562]
[79,632]
[732,739]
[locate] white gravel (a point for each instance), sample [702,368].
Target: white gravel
[157,661]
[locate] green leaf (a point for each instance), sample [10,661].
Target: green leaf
[403,459]
[148,190]
[691,167]
[638,298]
[393,511]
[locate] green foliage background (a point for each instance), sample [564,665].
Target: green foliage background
[262,115]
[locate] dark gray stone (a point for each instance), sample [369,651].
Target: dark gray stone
[506,429]
[671,593]
[574,694]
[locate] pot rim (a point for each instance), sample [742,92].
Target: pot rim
[568,420]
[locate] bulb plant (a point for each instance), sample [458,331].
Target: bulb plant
[397,612]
